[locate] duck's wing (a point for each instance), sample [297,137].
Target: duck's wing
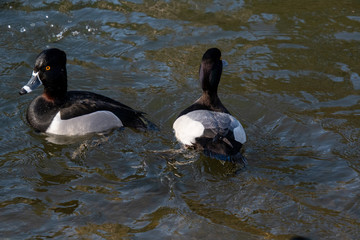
[80,103]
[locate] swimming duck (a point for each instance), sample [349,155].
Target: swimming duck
[61,112]
[207,125]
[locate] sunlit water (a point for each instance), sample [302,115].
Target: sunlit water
[293,80]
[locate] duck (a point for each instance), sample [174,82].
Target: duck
[69,113]
[207,125]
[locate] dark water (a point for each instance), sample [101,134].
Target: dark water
[293,80]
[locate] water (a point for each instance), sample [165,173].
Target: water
[292,80]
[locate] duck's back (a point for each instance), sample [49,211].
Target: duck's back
[79,103]
[209,124]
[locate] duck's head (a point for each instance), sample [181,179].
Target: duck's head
[49,70]
[210,70]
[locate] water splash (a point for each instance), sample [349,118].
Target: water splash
[60,35]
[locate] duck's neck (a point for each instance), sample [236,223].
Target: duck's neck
[210,96]
[56,95]
[212,101]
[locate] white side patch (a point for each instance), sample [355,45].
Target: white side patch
[238,130]
[239,134]
[187,129]
[93,122]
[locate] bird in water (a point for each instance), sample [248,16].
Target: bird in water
[61,112]
[207,125]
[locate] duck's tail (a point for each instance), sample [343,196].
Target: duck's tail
[237,158]
[147,124]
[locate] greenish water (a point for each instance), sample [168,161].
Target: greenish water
[293,81]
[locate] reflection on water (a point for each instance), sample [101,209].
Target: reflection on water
[292,80]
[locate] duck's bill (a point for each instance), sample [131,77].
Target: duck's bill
[33,83]
[225,63]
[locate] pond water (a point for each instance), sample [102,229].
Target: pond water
[293,80]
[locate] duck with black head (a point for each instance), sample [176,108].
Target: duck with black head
[207,125]
[61,112]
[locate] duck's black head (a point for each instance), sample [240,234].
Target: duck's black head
[49,70]
[210,70]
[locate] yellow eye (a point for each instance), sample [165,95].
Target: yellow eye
[47,68]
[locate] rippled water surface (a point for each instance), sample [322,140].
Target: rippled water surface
[293,80]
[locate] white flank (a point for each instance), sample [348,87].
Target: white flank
[187,129]
[93,122]
[238,130]
[239,134]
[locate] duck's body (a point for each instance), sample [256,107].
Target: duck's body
[62,112]
[81,113]
[207,125]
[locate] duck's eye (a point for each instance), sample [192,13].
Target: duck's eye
[47,68]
